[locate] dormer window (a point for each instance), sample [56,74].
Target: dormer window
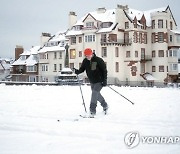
[23,57]
[62,43]
[106,25]
[90,24]
[77,27]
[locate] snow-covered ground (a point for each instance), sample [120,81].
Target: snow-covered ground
[29,114]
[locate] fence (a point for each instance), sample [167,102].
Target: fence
[52,80]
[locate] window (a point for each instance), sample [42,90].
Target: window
[136,54]
[161,53]
[142,53]
[117,67]
[103,37]
[71,65]
[23,57]
[145,38]
[170,38]
[140,37]
[60,67]
[126,38]
[116,52]
[161,68]
[135,37]
[126,25]
[55,67]
[80,39]
[106,25]
[153,68]
[153,39]
[55,55]
[142,68]
[171,25]
[160,37]
[173,53]
[32,68]
[60,55]
[153,53]
[77,27]
[153,24]
[46,56]
[128,54]
[173,67]
[90,24]
[80,54]
[44,68]
[160,23]
[104,52]
[72,53]
[90,38]
[178,38]
[73,40]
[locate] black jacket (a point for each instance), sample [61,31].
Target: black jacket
[95,69]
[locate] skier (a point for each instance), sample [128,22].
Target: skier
[97,74]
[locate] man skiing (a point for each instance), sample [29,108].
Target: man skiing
[97,74]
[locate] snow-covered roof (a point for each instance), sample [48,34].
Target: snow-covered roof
[26,53]
[107,16]
[52,48]
[74,32]
[5,65]
[31,60]
[109,29]
[132,13]
[20,61]
[34,50]
[59,36]
[175,31]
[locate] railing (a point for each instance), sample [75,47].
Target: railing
[51,80]
[146,58]
[117,41]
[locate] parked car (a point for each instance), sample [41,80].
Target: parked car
[68,77]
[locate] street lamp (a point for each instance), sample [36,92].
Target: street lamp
[67,56]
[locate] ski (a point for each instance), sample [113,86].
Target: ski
[84,116]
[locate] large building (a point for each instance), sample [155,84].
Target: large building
[139,47]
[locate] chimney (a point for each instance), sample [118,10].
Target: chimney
[123,7]
[18,50]
[72,19]
[101,10]
[44,38]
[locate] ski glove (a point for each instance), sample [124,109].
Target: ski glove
[75,70]
[104,83]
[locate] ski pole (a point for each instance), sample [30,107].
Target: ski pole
[81,94]
[121,95]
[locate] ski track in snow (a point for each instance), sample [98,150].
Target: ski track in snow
[32,118]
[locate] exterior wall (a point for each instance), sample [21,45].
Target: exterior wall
[130,68]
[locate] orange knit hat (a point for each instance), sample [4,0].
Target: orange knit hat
[88,52]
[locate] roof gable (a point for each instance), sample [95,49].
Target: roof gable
[89,15]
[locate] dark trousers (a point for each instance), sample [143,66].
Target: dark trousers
[96,96]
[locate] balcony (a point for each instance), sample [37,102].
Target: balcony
[174,39]
[146,58]
[120,42]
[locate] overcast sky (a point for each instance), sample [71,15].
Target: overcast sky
[23,21]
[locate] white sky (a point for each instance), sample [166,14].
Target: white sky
[22,22]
